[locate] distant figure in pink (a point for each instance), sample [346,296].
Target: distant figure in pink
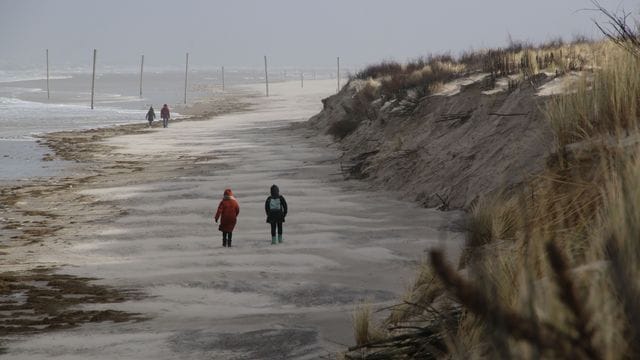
[164,114]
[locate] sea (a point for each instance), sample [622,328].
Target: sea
[27,110]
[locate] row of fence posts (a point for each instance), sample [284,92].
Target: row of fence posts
[186,75]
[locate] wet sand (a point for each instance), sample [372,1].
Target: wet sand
[136,215]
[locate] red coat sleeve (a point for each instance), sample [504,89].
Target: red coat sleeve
[237,208]
[219,212]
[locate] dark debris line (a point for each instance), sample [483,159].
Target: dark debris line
[41,300]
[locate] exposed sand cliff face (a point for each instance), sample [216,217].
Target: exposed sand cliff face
[443,150]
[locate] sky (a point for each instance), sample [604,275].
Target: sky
[292,33]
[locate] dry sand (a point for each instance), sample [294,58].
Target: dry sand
[137,216]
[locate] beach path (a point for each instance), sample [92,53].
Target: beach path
[343,244]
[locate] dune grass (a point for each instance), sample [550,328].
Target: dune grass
[601,105]
[362,324]
[407,83]
[551,271]
[423,75]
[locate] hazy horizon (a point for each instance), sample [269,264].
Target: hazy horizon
[292,33]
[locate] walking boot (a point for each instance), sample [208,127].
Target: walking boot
[274,241]
[224,242]
[279,238]
[229,243]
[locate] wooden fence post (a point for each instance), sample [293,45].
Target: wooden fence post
[186,71]
[48,97]
[338,74]
[141,70]
[93,77]
[266,75]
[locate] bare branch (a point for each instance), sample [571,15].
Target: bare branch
[618,30]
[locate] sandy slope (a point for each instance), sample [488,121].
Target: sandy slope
[450,148]
[255,300]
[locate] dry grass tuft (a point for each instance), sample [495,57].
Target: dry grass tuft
[605,104]
[364,330]
[490,220]
[362,324]
[425,289]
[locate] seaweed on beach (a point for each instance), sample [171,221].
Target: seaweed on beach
[42,300]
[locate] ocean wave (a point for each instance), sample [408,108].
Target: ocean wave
[19,138]
[11,78]
[14,103]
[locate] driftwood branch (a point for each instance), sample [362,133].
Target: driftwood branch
[445,203]
[509,114]
[617,30]
[463,116]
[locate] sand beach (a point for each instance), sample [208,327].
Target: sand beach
[131,229]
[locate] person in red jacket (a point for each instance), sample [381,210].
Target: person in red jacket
[164,114]
[228,211]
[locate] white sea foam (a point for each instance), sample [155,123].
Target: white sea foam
[20,118]
[8,104]
[27,75]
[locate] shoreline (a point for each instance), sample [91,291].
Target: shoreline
[64,143]
[23,146]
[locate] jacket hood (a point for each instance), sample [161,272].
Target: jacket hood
[275,191]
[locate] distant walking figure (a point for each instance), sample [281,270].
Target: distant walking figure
[151,115]
[276,209]
[228,211]
[164,114]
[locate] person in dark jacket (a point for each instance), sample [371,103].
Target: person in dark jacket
[164,114]
[276,209]
[151,115]
[228,211]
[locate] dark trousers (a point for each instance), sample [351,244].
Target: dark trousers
[273,228]
[226,238]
